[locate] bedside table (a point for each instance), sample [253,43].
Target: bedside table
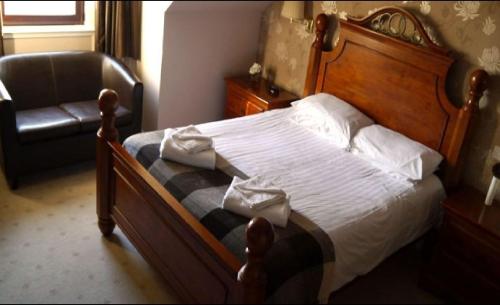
[465,266]
[245,97]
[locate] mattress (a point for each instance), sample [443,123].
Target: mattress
[367,213]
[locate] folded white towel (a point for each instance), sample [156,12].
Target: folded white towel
[258,193]
[237,202]
[191,139]
[170,150]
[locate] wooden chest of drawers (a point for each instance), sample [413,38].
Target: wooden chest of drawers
[245,97]
[465,266]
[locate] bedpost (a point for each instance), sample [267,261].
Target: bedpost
[315,55]
[478,83]
[108,102]
[252,276]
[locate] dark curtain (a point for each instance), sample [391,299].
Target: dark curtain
[118,28]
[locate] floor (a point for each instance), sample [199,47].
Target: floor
[52,252]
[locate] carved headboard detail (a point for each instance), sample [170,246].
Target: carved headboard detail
[398,23]
[397,82]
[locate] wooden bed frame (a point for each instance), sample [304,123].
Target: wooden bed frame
[395,77]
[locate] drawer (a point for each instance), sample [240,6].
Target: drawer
[470,246]
[236,103]
[253,109]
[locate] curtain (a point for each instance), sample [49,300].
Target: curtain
[118,28]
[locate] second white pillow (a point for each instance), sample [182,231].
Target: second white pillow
[395,153]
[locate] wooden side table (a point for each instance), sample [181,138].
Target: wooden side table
[246,97]
[465,266]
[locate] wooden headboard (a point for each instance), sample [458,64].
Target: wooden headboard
[387,66]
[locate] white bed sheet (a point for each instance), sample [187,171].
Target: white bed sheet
[368,214]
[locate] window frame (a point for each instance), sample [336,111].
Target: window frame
[76,19]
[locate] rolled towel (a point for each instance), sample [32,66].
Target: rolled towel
[170,150]
[258,193]
[276,213]
[192,140]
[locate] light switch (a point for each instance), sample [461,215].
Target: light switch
[496,153]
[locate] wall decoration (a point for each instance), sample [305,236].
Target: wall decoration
[329,7]
[425,7]
[467,9]
[281,51]
[490,60]
[302,32]
[489,26]
[292,64]
[468,28]
[343,15]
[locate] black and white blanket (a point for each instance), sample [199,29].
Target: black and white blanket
[302,257]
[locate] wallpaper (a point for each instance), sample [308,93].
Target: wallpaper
[468,28]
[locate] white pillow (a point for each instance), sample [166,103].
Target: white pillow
[394,153]
[330,117]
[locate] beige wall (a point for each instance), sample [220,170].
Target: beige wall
[25,39]
[470,30]
[203,43]
[49,43]
[149,67]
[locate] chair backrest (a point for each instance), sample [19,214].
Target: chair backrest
[77,75]
[36,80]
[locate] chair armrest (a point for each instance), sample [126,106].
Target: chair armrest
[4,94]
[8,131]
[118,77]
[7,112]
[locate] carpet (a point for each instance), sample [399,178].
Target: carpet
[51,251]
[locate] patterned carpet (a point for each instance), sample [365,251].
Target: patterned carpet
[52,252]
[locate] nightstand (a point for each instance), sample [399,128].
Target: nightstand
[465,266]
[245,97]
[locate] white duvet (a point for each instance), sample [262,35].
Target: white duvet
[368,214]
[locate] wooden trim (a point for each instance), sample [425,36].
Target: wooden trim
[315,54]
[108,103]
[409,18]
[398,84]
[260,239]
[171,239]
[466,120]
[76,19]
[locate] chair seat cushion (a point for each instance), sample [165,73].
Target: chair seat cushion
[88,114]
[45,123]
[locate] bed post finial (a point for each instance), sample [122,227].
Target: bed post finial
[315,54]
[478,83]
[108,103]
[252,276]
[321,25]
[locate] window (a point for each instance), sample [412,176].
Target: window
[42,12]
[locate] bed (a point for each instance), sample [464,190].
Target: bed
[395,76]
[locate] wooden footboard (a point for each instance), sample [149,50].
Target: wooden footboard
[190,258]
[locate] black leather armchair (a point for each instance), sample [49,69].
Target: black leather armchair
[48,108]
